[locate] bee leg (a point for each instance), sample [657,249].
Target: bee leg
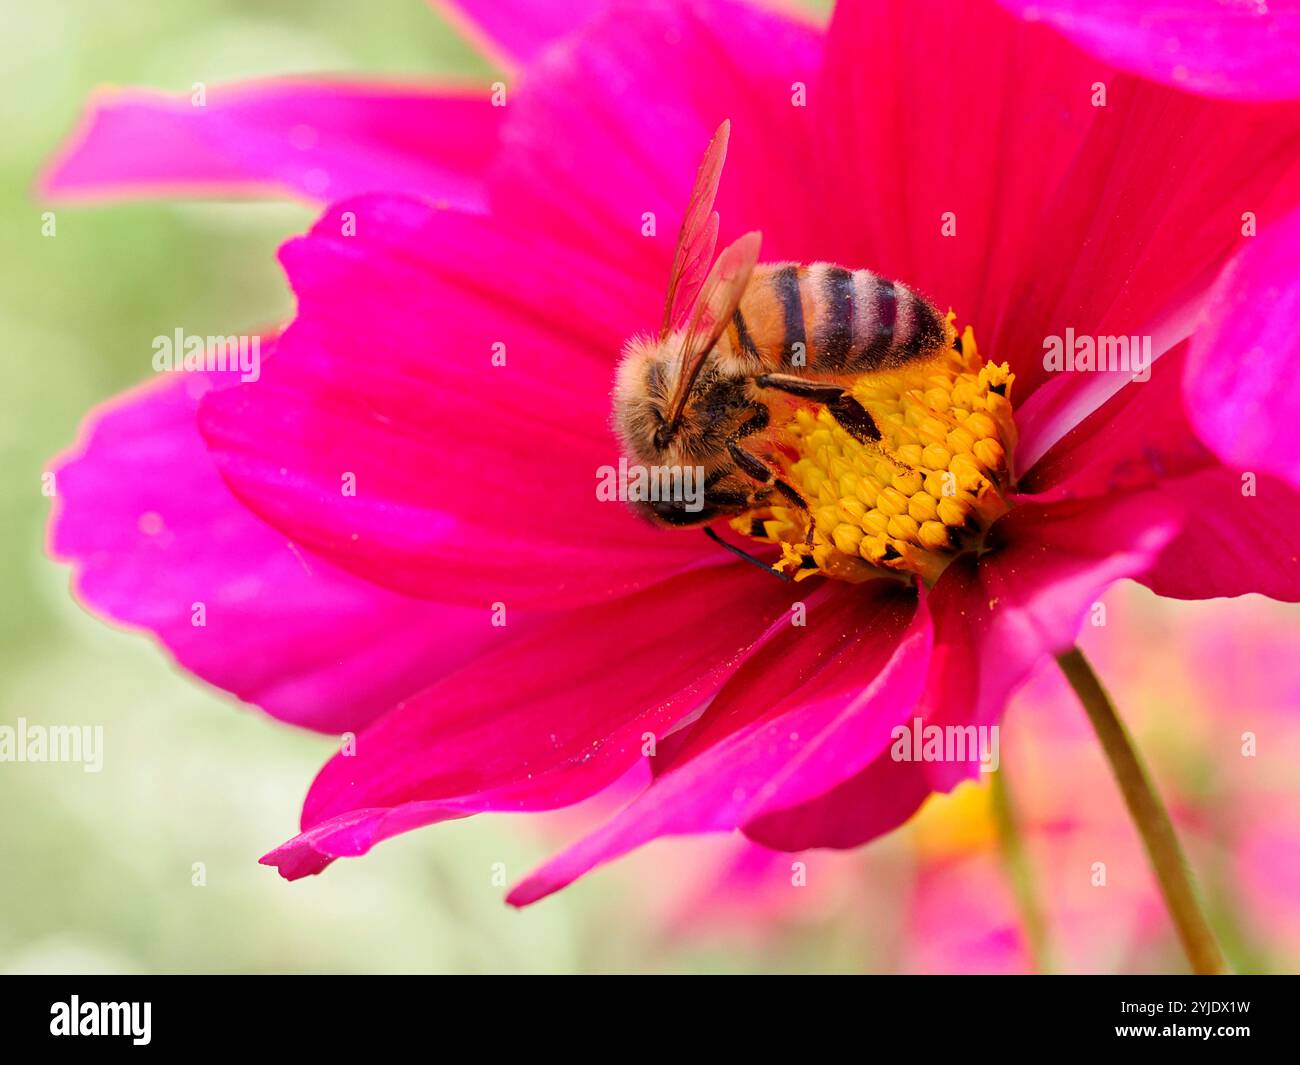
[756,469]
[746,555]
[817,391]
[758,421]
[851,415]
[737,501]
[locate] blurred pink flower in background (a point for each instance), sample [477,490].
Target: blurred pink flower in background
[455,226]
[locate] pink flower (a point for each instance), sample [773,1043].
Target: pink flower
[1035,176]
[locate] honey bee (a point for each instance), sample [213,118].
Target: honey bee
[741,343]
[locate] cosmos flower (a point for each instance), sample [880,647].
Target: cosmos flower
[418,458]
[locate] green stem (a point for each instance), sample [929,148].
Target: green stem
[1149,815]
[1011,841]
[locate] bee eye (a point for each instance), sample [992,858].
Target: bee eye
[663,436]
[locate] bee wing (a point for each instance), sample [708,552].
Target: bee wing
[718,299]
[699,234]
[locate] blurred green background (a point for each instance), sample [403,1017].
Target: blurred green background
[95,869]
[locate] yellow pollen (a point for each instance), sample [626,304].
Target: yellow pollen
[909,504]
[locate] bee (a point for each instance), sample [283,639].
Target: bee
[740,344]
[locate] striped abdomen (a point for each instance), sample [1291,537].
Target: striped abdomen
[824,319]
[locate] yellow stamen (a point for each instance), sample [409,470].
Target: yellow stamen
[909,504]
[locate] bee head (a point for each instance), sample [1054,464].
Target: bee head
[694,446]
[644,391]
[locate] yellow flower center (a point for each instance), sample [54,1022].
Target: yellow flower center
[909,504]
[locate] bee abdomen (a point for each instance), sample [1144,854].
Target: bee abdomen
[823,318]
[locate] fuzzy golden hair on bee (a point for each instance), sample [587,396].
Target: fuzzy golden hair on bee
[647,375]
[647,382]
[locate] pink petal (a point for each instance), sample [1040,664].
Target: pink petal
[879,799]
[1239,532]
[593,169]
[995,622]
[1231,543]
[1136,440]
[513,33]
[1106,263]
[317,140]
[1109,220]
[908,138]
[998,619]
[835,692]
[549,720]
[475,483]
[151,530]
[1057,409]
[1243,391]
[1241,51]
